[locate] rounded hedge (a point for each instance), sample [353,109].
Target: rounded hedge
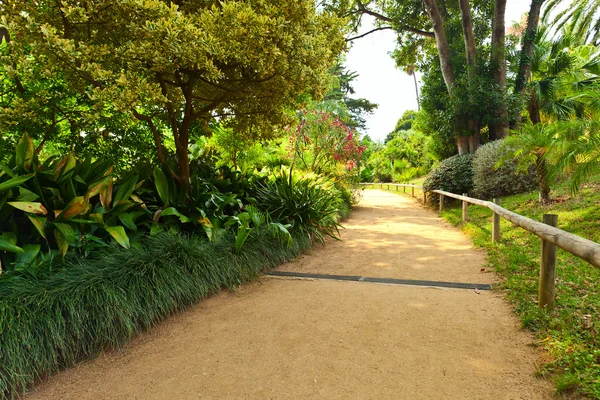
[490,181]
[454,174]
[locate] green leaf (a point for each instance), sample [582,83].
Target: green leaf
[162,184]
[30,252]
[29,207]
[24,152]
[27,195]
[96,187]
[7,170]
[61,241]
[173,211]
[67,231]
[39,224]
[127,221]
[125,190]
[118,233]
[74,208]
[14,182]
[5,245]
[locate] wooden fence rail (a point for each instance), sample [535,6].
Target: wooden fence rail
[585,249]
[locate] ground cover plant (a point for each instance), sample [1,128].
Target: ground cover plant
[52,320]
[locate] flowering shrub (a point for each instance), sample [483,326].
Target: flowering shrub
[321,142]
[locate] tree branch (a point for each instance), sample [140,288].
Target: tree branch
[368,33]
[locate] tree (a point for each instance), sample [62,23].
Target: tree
[580,19]
[342,90]
[177,66]
[404,124]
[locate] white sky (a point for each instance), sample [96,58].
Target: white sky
[381,82]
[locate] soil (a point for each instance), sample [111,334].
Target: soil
[300,338]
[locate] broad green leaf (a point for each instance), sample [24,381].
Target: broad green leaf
[162,184]
[118,233]
[97,217]
[127,221]
[29,207]
[6,245]
[30,252]
[98,186]
[67,231]
[24,152]
[27,195]
[173,211]
[155,229]
[126,189]
[39,223]
[123,205]
[106,195]
[61,241]
[14,182]
[7,170]
[74,208]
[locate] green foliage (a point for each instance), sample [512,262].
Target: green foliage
[491,180]
[454,174]
[172,67]
[53,320]
[404,124]
[310,206]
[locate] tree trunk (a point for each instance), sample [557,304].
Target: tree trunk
[527,52]
[462,143]
[533,107]
[542,175]
[467,28]
[442,43]
[499,130]
[417,90]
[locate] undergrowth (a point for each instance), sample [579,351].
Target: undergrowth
[570,332]
[53,320]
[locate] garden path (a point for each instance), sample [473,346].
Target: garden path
[285,338]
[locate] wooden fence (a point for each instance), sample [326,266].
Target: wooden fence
[546,230]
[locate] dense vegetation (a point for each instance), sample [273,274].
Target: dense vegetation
[139,140]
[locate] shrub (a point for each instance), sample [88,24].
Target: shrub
[310,206]
[490,181]
[454,174]
[54,320]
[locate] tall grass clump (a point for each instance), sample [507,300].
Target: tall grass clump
[52,320]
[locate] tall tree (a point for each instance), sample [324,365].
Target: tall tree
[176,66]
[499,129]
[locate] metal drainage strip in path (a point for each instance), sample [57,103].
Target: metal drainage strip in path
[455,285]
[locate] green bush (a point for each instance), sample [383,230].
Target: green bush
[454,174]
[490,181]
[53,320]
[310,206]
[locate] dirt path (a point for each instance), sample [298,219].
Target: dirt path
[298,339]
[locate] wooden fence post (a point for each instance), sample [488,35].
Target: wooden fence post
[464,210]
[396,187]
[404,187]
[496,224]
[413,191]
[388,187]
[547,267]
[441,202]
[424,197]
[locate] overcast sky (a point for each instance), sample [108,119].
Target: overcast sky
[381,82]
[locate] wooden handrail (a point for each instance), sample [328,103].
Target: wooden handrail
[583,248]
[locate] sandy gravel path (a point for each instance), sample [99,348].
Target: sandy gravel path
[314,339]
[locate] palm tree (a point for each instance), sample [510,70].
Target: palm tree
[410,71]
[532,144]
[581,19]
[564,74]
